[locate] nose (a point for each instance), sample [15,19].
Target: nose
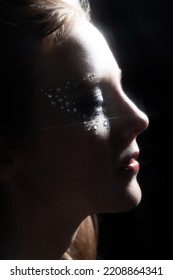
[136,120]
[131,120]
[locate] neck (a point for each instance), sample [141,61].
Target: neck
[32,231]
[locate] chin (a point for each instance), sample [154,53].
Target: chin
[132,196]
[125,198]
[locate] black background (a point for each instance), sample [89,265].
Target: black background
[140,35]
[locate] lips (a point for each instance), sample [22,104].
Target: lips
[133,165]
[130,163]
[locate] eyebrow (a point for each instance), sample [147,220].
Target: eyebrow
[91,80]
[74,85]
[88,81]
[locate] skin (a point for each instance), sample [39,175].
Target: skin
[66,171]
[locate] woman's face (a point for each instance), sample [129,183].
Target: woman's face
[83,149]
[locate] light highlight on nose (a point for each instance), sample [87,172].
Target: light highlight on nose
[127,119]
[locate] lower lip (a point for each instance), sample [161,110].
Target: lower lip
[133,166]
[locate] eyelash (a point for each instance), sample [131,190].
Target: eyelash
[90,106]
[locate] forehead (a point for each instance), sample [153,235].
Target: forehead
[85,51]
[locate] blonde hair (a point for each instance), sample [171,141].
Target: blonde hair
[84,245]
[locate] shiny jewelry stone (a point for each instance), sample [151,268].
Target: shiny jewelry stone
[105,123]
[95,127]
[60,100]
[53,103]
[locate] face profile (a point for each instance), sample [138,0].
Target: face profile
[80,157]
[91,106]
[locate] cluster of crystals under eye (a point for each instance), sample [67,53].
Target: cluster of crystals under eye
[60,98]
[93,124]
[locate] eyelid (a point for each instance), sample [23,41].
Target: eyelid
[100,102]
[90,101]
[98,93]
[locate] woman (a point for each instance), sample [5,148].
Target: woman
[68,145]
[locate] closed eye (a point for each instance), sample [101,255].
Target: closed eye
[92,103]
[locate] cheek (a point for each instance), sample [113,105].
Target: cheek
[98,126]
[85,152]
[75,152]
[81,146]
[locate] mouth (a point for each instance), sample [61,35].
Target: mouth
[130,163]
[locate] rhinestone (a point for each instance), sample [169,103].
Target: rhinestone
[67,104]
[67,88]
[95,127]
[49,96]
[74,110]
[53,103]
[60,100]
[105,123]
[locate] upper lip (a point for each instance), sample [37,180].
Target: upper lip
[130,157]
